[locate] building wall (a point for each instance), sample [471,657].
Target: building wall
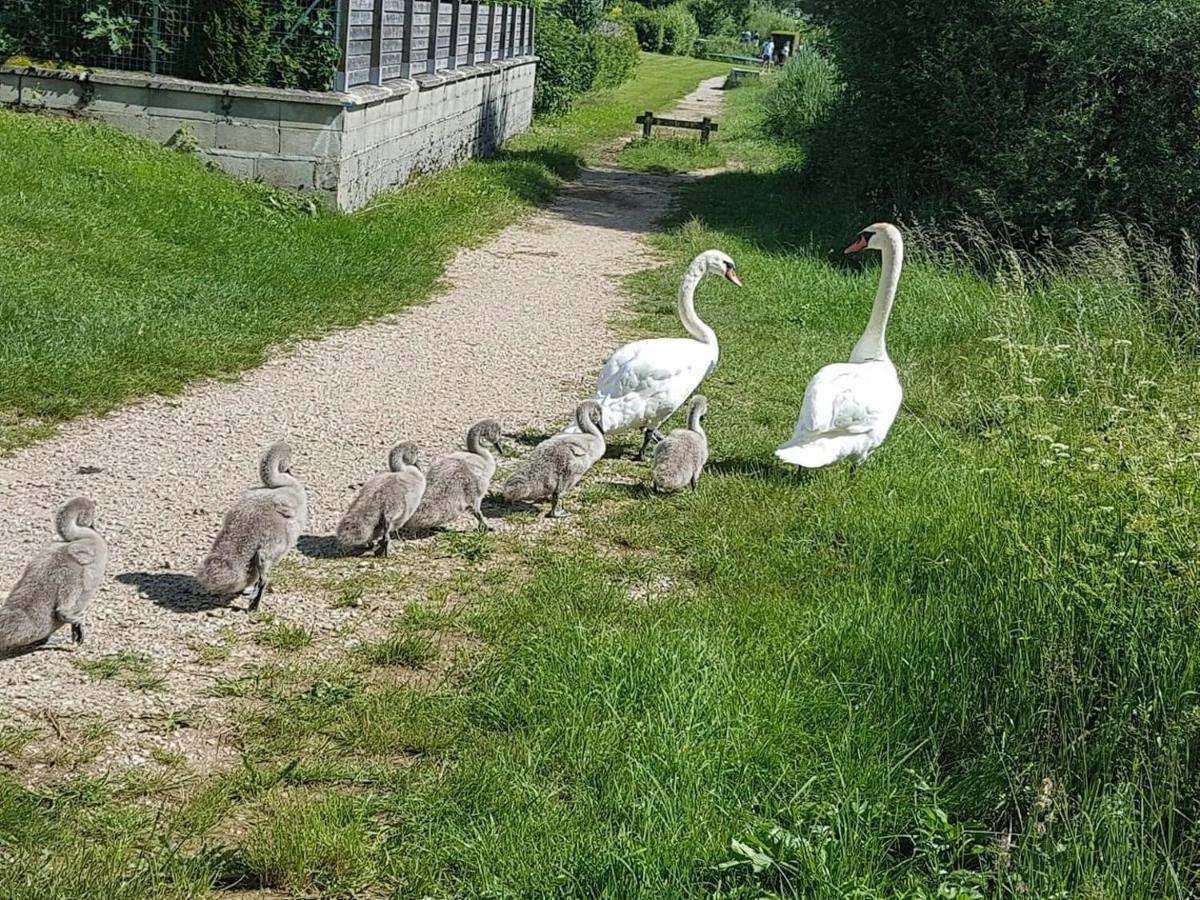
[343,147]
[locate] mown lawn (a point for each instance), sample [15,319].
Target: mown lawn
[968,671]
[128,271]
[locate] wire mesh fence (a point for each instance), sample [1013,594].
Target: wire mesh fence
[310,44]
[286,43]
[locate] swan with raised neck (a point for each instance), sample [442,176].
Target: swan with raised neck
[887,240]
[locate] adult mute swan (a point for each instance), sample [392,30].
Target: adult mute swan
[644,382]
[849,407]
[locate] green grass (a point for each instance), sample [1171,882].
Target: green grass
[670,155]
[131,270]
[134,670]
[410,650]
[282,636]
[970,670]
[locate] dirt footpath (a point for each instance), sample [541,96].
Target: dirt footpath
[515,336]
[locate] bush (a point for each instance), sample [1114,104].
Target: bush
[614,52]
[680,30]
[232,43]
[648,25]
[1050,117]
[719,17]
[308,56]
[801,96]
[567,67]
[586,15]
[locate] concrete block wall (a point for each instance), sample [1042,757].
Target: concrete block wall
[343,147]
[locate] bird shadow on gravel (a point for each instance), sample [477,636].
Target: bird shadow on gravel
[170,590]
[320,546]
[495,506]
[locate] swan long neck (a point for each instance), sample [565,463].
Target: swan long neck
[75,520]
[695,421]
[873,343]
[583,419]
[687,305]
[272,471]
[476,445]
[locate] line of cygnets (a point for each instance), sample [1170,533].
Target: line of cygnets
[847,411]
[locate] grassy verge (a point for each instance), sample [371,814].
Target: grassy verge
[968,671]
[129,269]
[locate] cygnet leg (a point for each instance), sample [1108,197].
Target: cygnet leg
[556,510]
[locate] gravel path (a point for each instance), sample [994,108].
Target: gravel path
[515,336]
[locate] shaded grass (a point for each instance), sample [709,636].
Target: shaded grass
[669,155]
[131,270]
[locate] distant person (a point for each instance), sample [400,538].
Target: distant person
[745,38]
[768,52]
[754,37]
[785,52]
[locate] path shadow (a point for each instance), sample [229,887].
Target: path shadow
[320,546]
[638,490]
[59,641]
[173,591]
[496,507]
[530,437]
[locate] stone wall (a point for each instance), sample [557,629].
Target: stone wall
[345,147]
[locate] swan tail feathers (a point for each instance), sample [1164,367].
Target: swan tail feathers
[221,573]
[355,530]
[813,455]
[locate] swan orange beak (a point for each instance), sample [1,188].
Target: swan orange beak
[732,275]
[860,244]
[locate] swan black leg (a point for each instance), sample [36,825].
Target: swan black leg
[641,454]
[556,510]
[478,513]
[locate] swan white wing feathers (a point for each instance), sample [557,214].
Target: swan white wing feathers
[848,410]
[643,383]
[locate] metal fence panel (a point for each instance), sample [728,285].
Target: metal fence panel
[319,44]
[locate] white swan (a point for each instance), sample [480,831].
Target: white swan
[849,407]
[644,382]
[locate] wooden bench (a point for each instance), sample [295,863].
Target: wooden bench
[737,76]
[648,120]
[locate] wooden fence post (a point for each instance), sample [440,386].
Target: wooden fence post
[512,34]
[452,50]
[471,38]
[489,44]
[435,11]
[376,64]
[647,124]
[343,45]
[705,128]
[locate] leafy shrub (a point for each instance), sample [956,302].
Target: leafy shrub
[648,25]
[765,18]
[680,30]
[719,17]
[567,67]
[306,56]
[231,42]
[614,51]
[801,96]
[586,15]
[1050,117]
